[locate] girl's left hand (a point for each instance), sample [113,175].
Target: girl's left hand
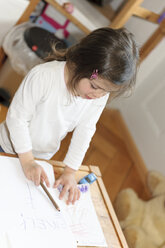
[68,181]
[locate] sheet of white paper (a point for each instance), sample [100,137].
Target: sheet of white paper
[26,213]
[82,218]
[27,208]
[4,241]
[43,239]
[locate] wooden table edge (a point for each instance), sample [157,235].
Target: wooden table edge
[112,214]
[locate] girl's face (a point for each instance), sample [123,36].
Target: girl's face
[94,88]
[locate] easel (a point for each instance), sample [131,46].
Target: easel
[133,8]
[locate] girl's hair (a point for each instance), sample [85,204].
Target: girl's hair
[113,52]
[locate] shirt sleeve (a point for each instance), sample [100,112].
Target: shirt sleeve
[83,134]
[22,108]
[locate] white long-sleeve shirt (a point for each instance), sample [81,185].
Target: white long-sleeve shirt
[43,112]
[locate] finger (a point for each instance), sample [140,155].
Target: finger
[57,183]
[36,179]
[71,195]
[29,177]
[78,194]
[75,197]
[45,178]
[63,192]
[42,179]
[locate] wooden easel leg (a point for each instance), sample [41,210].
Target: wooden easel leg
[126,12]
[153,41]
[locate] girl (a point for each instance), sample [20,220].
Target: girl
[65,94]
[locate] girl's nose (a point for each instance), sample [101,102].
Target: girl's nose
[99,94]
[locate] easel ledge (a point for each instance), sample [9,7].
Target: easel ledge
[103,206]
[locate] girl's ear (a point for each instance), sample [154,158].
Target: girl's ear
[114,95]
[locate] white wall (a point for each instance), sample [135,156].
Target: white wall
[149,78]
[10,11]
[147,132]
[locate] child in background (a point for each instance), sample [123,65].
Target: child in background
[66,94]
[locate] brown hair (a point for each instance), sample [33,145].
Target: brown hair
[112,51]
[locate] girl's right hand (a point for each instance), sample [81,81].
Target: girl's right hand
[32,170]
[35,173]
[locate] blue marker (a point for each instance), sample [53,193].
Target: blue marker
[90,178]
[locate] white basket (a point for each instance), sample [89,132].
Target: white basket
[22,58]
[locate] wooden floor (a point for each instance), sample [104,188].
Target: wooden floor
[113,150]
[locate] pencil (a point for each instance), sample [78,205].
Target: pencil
[50,197]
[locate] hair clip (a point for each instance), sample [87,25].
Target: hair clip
[94,74]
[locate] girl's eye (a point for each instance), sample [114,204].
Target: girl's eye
[93,86]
